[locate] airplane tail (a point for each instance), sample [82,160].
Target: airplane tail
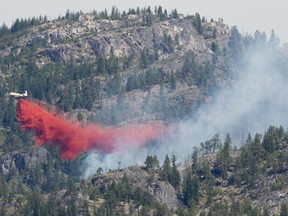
[25,93]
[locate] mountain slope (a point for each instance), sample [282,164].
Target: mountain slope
[119,56]
[140,66]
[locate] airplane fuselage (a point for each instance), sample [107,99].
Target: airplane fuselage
[17,95]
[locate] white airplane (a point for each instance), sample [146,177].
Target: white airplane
[17,95]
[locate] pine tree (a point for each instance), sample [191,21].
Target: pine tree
[174,14]
[235,42]
[224,156]
[195,162]
[173,81]
[271,140]
[101,65]
[191,190]
[144,63]
[115,13]
[175,178]
[249,140]
[256,148]
[273,41]
[197,22]
[189,68]
[168,42]
[112,64]
[216,142]
[166,169]
[149,162]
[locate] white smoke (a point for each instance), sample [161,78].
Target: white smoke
[256,100]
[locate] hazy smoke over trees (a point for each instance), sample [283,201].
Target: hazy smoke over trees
[255,100]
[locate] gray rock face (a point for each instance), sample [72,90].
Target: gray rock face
[164,193]
[21,160]
[88,37]
[138,177]
[53,55]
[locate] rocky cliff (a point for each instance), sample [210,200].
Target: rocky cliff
[130,49]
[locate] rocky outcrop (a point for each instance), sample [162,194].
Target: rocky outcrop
[22,160]
[164,193]
[88,37]
[138,177]
[53,55]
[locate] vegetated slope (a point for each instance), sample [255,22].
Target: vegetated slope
[101,65]
[249,181]
[217,180]
[139,66]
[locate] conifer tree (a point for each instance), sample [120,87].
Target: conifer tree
[271,139]
[256,148]
[216,142]
[166,169]
[195,161]
[151,162]
[175,178]
[197,22]
[173,81]
[191,190]
[224,156]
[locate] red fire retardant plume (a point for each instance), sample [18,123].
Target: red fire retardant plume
[73,140]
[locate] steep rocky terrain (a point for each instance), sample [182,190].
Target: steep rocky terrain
[88,37]
[125,190]
[139,66]
[135,49]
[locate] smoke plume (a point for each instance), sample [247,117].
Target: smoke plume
[72,139]
[255,100]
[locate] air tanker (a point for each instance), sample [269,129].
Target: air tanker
[17,95]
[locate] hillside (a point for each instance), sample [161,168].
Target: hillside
[248,181]
[122,59]
[196,77]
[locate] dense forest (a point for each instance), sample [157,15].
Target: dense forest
[220,177]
